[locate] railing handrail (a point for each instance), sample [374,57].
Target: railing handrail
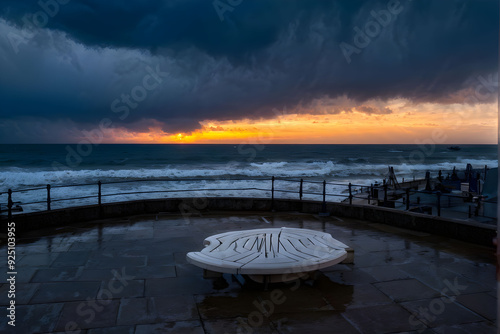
[349,193]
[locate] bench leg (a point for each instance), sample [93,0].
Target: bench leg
[211,274]
[350,256]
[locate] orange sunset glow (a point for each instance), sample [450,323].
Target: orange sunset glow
[405,124]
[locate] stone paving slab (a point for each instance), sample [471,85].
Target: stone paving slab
[65,291]
[254,325]
[473,328]
[112,330]
[89,275]
[380,319]
[157,309]
[406,290]
[481,303]
[41,247]
[136,311]
[351,277]
[71,259]
[68,274]
[114,289]
[88,314]
[386,273]
[105,262]
[160,259]
[441,279]
[355,296]
[227,305]
[24,292]
[181,327]
[440,311]
[156,271]
[320,322]
[81,331]
[480,272]
[34,318]
[174,286]
[24,274]
[38,260]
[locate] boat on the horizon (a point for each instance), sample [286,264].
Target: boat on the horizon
[454,148]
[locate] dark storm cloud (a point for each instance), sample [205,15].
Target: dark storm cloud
[265,54]
[371,110]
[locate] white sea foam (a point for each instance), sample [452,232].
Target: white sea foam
[19,178]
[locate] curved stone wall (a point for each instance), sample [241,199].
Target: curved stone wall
[459,229]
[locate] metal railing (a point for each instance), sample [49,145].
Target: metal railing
[406,199]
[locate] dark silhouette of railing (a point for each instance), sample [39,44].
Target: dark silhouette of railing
[363,194]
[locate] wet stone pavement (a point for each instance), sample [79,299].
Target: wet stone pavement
[131,276]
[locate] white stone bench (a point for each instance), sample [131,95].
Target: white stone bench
[270,254]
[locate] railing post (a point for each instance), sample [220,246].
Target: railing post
[48,197]
[438,194]
[385,193]
[272,193]
[407,198]
[300,190]
[350,193]
[99,183]
[323,206]
[9,205]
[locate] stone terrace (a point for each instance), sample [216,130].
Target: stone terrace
[131,276]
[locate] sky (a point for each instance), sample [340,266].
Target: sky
[249,71]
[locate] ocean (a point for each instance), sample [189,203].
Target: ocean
[215,170]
